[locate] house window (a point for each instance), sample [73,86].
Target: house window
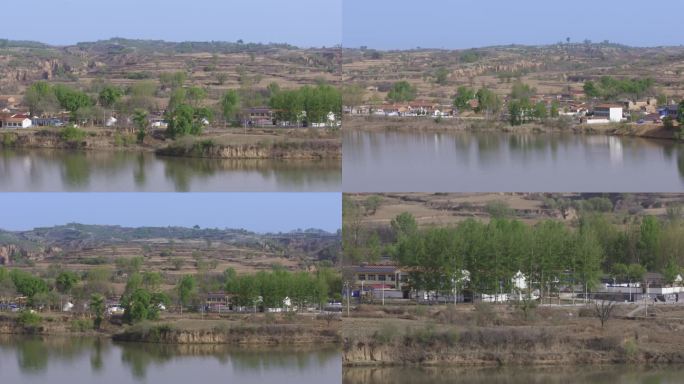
[371,277]
[362,277]
[391,277]
[382,277]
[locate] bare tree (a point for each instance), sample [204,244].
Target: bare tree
[603,310]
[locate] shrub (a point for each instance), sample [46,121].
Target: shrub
[28,319]
[8,139]
[631,349]
[72,134]
[123,140]
[81,325]
[385,334]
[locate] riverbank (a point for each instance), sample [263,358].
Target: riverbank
[233,143]
[315,149]
[425,124]
[242,329]
[489,335]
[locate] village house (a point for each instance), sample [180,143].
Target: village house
[218,302]
[649,105]
[607,113]
[258,116]
[668,111]
[14,121]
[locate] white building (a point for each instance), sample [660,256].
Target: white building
[16,121]
[611,112]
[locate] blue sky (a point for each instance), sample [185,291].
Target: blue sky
[306,23]
[456,24]
[260,212]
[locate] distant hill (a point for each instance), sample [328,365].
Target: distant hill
[78,242]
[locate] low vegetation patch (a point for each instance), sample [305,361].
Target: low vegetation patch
[72,134]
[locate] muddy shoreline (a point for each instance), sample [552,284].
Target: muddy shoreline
[425,124]
[198,147]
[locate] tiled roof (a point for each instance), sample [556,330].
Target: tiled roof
[376,269]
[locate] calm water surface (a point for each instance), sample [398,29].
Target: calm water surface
[111,171]
[494,162]
[556,375]
[85,360]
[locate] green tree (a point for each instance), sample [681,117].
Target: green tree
[463,96]
[554,109]
[671,271]
[540,111]
[402,91]
[72,100]
[66,281]
[488,101]
[649,239]
[195,95]
[27,284]
[97,308]
[184,120]
[186,290]
[109,95]
[141,122]
[404,224]
[137,307]
[229,105]
[591,90]
[40,98]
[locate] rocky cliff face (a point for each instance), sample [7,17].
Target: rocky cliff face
[8,252]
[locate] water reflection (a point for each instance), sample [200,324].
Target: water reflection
[22,358]
[495,161]
[60,170]
[529,375]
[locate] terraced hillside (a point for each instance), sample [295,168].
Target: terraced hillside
[550,69]
[172,249]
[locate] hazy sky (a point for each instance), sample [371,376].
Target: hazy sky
[299,22]
[260,212]
[454,24]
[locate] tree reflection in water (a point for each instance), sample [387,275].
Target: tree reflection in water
[36,354]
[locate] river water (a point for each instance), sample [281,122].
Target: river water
[552,375]
[45,170]
[62,360]
[494,161]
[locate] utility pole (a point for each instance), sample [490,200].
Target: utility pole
[346,285]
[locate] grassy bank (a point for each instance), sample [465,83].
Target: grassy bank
[425,124]
[232,143]
[487,335]
[239,329]
[263,149]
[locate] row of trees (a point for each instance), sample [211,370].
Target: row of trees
[144,296]
[610,88]
[488,102]
[521,110]
[187,109]
[486,256]
[269,289]
[306,104]
[549,254]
